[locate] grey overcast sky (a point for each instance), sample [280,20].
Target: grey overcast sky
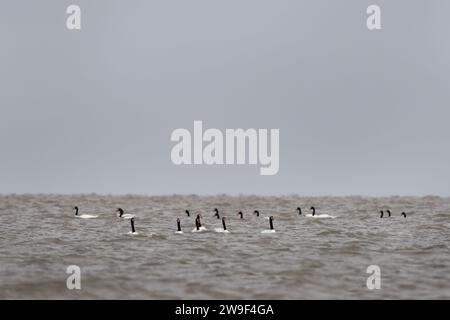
[360,112]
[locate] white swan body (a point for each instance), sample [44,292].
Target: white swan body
[268,231]
[201,229]
[135,233]
[83,216]
[178,232]
[320,216]
[86,216]
[224,227]
[221,230]
[127,216]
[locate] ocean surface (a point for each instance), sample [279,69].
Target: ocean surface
[305,259]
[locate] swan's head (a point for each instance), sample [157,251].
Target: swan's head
[216,211]
[299,209]
[404,214]
[120,210]
[75,208]
[312,208]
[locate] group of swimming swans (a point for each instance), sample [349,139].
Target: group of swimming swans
[199,227]
[91,216]
[198,224]
[314,215]
[403,214]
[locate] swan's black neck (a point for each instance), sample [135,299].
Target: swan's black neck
[216,213]
[404,214]
[197,223]
[271,223]
[256,212]
[76,210]
[223,224]
[188,214]
[120,212]
[313,211]
[389,213]
[178,224]
[241,214]
[299,210]
[382,213]
[132,225]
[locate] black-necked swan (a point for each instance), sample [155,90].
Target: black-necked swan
[314,215]
[241,214]
[381,213]
[198,224]
[83,216]
[124,216]
[256,212]
[224,229]
[178,226]
[271,230]
[133,230]
[389,213]
[216,213]
[403,214]
[187,213]
[299,211]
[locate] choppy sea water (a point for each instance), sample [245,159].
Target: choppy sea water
[305,259]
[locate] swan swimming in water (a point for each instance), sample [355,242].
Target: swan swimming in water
[83,216]
[224,229]
[198,225]
[256,212]
[271,230]
[299,211]
[403,214]
[314,215]
[133,230]
[216,213]
[179,226]
[241,214]
[124,216]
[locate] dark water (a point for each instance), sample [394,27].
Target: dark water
[305,259]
